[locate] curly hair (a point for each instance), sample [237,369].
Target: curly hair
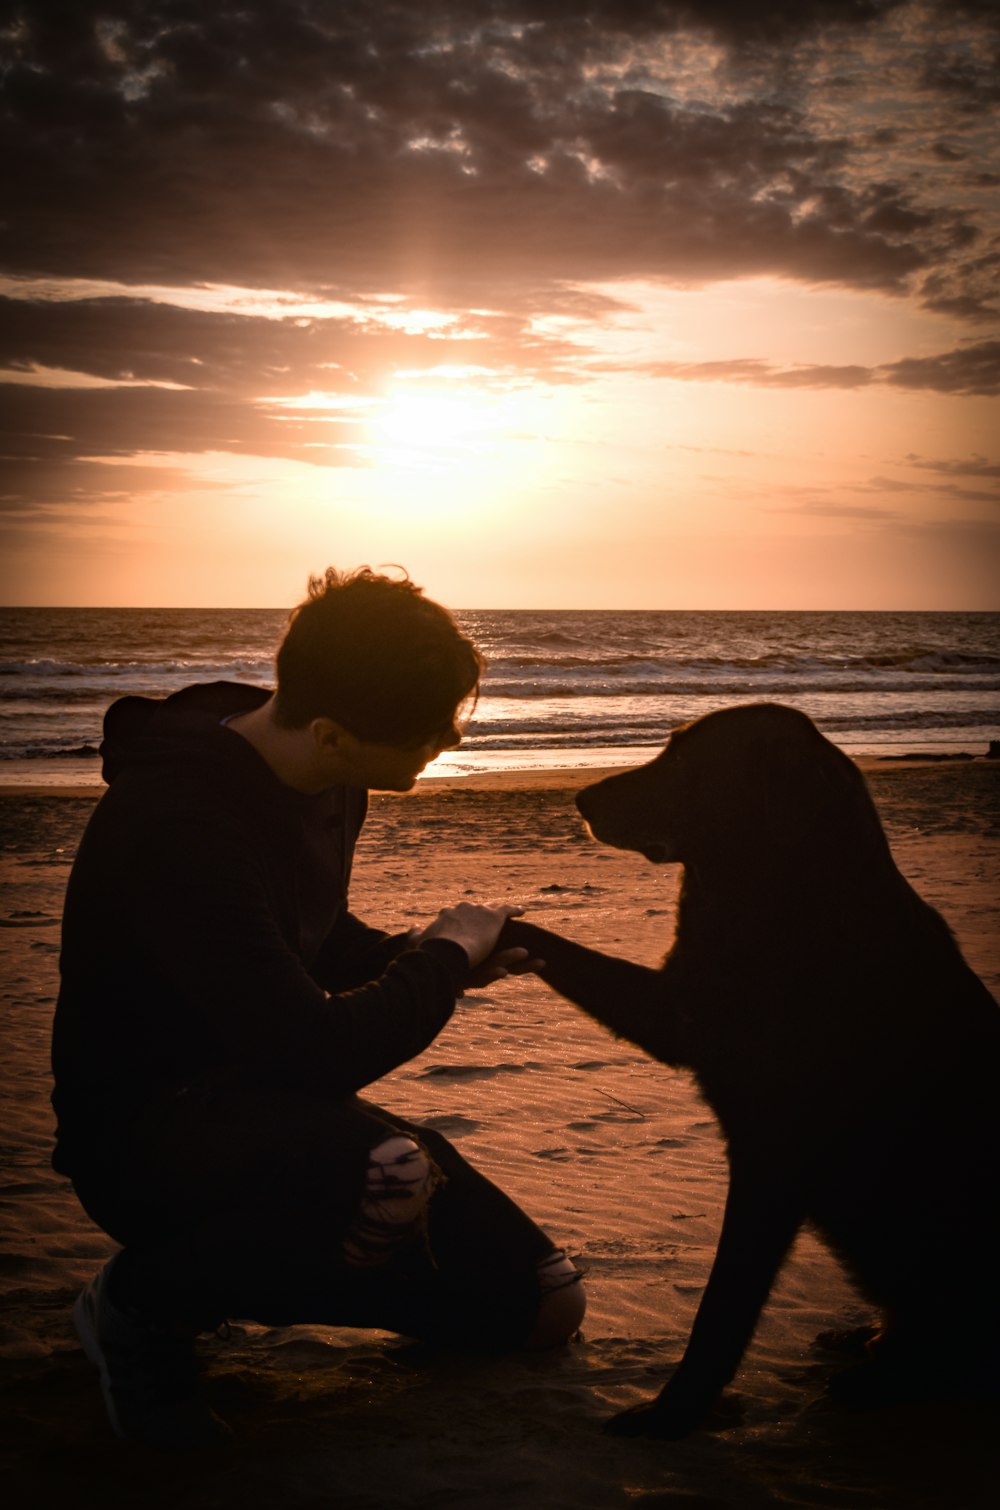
[373,653]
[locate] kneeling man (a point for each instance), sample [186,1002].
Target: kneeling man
[221,1008]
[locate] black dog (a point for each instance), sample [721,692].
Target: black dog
[850,1054]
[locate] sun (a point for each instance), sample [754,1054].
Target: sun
[436,449]
[434,423]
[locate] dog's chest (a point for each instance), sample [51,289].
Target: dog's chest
[752,1080]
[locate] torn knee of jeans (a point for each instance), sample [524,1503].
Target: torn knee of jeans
[399,1182]
[555,1271]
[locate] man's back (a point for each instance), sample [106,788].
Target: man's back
[193,844]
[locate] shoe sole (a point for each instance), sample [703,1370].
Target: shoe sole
[85,1326]
[212,1430]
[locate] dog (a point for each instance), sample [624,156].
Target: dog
[850,1054]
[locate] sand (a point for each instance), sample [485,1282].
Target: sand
[614,1154]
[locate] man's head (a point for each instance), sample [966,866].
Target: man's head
[373,654]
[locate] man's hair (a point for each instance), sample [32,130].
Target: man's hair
[377,656]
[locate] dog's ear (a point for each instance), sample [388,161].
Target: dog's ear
[815,796]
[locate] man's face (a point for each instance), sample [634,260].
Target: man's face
[395,768]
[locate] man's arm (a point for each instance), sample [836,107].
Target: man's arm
[354,953]
[201,912]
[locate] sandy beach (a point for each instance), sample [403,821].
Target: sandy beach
[614,1154]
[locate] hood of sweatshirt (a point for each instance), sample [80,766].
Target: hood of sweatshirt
[190,724]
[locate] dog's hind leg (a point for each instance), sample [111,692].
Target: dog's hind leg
[758,1229]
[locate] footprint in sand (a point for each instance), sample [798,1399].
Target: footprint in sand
[477,1071]
[452,1124]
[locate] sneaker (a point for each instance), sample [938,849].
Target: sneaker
[149,1377]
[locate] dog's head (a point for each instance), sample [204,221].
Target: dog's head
[742,782]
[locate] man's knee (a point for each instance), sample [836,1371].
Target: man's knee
[562,1302]
[535,1310]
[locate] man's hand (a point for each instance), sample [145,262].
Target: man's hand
[474,927]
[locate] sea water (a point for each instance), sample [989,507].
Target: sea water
[562,688]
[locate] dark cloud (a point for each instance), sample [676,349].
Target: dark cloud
[968,289]
[45,425]
[937,490]
[452,146]
[973,369]
[59,481]
[193,381]
[980,535]
[848,511]
[975,466]
[819,509]
[948,153]
[963,307]
[124,340]
[226,363]
[968,370]
[751,370]
[481,156]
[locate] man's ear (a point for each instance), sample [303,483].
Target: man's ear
[328,736]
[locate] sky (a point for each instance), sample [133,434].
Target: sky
[597,304]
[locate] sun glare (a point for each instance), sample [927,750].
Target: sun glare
[437,451]
[429,422]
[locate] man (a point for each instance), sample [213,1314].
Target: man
[221,1007]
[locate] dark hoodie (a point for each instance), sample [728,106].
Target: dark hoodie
[206,924]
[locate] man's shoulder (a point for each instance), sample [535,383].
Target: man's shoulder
[215,700]
[182,730]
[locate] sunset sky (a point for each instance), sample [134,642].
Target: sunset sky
[591,304]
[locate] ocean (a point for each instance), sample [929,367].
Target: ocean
[581,688]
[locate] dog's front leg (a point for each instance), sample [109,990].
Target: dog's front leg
[759,1226]
[632,1000]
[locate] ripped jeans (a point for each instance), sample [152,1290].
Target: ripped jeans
[233,1197]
